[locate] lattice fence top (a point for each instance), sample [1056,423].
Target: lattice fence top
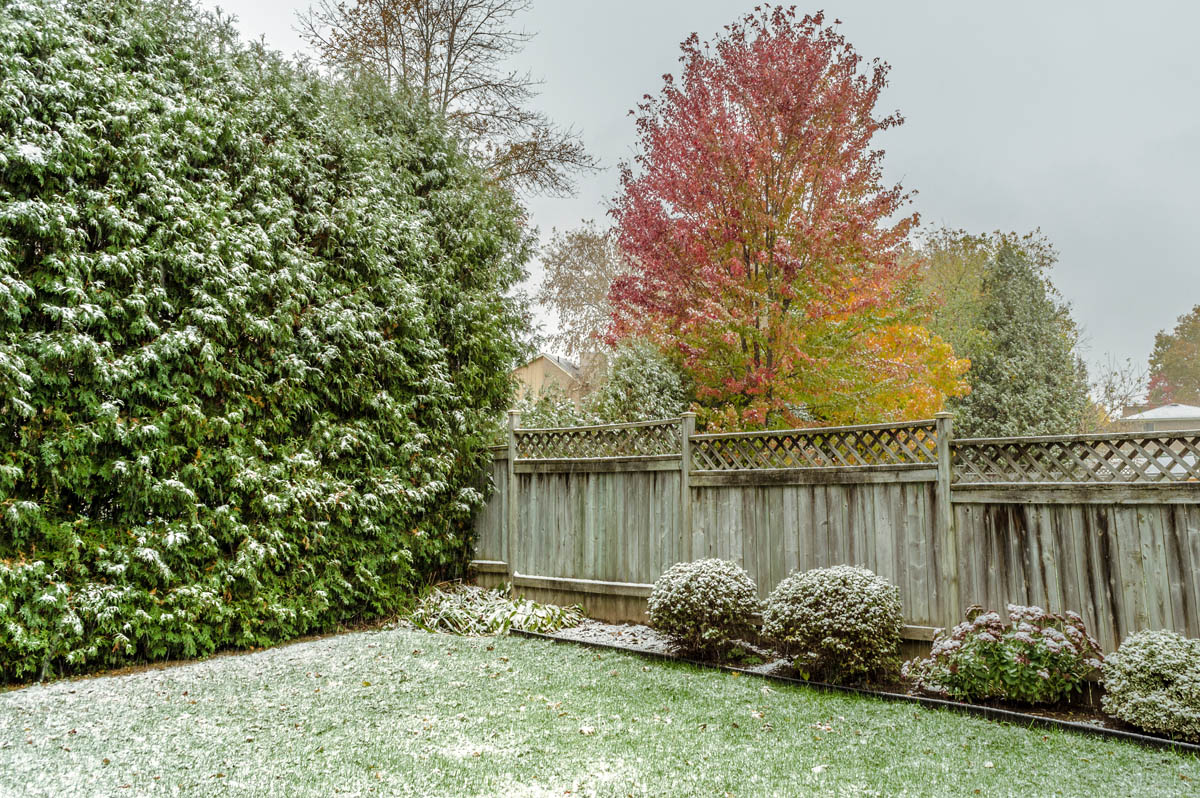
[580,443]
[1079,459]
[828,447]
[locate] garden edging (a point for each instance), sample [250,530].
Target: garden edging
[991,713]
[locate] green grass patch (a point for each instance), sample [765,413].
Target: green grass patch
[406,712]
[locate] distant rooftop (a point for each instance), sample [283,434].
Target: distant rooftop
[562,363]
[1166,413]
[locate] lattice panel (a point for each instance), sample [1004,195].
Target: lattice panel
[578,443]
[1149,459]
[831,448]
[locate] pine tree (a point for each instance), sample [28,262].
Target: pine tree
[1025,376]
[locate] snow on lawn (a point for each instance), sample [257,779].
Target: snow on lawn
[361,713]
[403,712]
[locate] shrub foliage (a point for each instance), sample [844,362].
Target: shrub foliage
[841,624]
[642,384]
[1152,681]
[475,611]
[702,606]
[253,328]
[1036,657]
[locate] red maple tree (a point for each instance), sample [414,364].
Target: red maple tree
[766,246]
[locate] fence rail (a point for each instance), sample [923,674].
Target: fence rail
[831,447]
[608,440]
[1078,459]
[1108,526]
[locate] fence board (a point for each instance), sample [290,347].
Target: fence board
[1187,529]
[490,523]
[1122,567]
[774,530]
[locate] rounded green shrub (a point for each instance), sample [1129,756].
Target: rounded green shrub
[1031,657]
[840,624]
[1152,681]
[253,334]
[704,605]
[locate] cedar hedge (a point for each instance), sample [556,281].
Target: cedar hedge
[253,333]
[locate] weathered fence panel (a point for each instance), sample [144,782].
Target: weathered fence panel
[773,530]
[1123,567]
[1106,526]
[616,526]
[827,447]
[1136,457]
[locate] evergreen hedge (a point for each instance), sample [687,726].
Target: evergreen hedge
[253,331]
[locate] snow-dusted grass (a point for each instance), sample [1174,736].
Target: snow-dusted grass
[405,712]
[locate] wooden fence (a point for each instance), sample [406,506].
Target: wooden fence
[1108,526]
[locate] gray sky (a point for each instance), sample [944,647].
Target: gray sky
[1080,118]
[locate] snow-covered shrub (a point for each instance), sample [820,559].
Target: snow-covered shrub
[840,624]
[551,407]
[470,610]
[1032,657]
[701,606]
[1152,681]
[253,335]
[641,384]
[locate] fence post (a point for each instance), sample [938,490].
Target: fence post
[514,420]
[946,540]
[687,428]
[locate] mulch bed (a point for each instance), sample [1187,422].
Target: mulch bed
[767,664]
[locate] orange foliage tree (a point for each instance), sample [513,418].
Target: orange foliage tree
[766,248]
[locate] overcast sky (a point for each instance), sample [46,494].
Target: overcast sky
[1080,118]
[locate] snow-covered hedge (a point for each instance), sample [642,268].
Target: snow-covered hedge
[841,624]
[253,331]
[641,384]
[1152,681]
[702,606]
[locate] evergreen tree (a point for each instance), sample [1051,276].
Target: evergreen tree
[1025,377]
[642,384]
[550,407]
[254,334]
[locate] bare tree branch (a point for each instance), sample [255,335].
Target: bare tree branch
[451,53]
[1118,386]
[581,265]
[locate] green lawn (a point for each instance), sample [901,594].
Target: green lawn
[409,713]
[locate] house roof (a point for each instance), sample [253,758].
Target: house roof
[569,368]
[1169,412]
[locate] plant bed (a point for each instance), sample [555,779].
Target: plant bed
[645,641]
[745,654]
